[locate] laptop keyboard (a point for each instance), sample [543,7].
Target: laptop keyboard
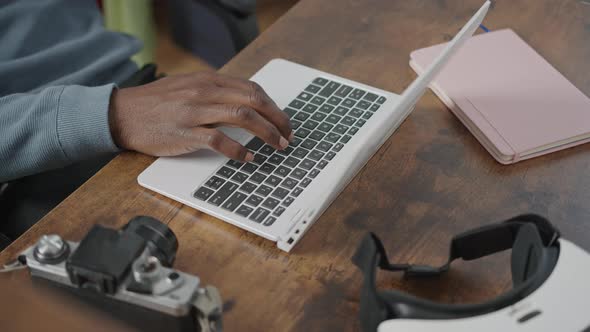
[324,117]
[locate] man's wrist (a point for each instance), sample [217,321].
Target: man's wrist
[118,110]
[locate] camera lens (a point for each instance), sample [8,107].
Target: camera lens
[162,242]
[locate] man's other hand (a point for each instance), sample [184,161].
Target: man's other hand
[179,114]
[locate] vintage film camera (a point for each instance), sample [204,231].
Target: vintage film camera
[128,274]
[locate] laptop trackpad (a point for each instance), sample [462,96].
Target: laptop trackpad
[237,134]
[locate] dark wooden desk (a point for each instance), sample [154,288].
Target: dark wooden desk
[431,180]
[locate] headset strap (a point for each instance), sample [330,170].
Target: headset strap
[470,245]
[473,244]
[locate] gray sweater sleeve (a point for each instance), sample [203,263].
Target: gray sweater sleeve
[57,64]
[52,128]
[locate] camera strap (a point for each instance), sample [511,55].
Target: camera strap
[209,308]
[12,266]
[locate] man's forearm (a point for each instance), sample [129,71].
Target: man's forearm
[53,128]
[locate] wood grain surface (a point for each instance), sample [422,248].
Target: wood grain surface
[431,180]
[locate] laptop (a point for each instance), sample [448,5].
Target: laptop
[339,124]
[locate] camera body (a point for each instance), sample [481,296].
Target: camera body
[128,274]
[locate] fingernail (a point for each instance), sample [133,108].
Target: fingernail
[291,136]
[249,157]
[284,143]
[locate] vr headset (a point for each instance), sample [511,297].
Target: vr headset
[551,284]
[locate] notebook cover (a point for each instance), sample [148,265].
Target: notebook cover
[511,99]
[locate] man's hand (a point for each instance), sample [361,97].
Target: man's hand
[179,114]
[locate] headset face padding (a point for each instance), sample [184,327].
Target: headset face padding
[526,253]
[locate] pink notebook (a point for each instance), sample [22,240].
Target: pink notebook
[511,99]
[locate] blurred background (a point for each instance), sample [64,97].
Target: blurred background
[183,36]
[180,36]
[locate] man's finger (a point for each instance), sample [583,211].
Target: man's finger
[258,100]
[232,82]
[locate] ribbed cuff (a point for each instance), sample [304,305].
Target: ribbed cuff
[83,121]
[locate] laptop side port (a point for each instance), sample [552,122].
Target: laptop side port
[302,222]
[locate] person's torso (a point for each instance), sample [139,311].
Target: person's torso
[59,42]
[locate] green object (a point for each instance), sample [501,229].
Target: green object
[134,17]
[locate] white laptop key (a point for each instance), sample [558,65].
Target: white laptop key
[342,123]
